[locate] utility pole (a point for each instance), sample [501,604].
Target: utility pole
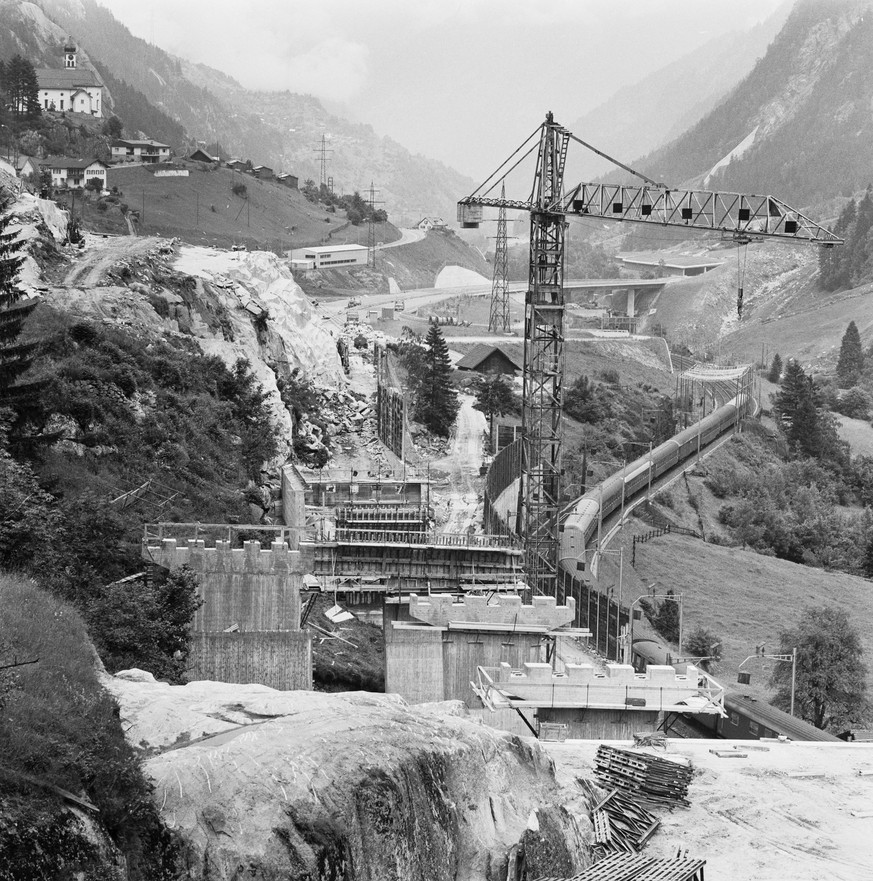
[498,320]
[372,201]
[323,152]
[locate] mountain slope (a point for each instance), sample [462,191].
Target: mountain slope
[803,111]
[26,30]
[639,118]
[276,129]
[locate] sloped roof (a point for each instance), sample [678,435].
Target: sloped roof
[479,353]
[71,78]
[67,162]
[123,142]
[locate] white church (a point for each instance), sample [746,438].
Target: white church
[73,89]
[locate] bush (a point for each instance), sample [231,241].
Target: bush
[240,189]
[60,728]
[703,643]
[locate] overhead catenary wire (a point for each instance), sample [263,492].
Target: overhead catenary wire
[484,188]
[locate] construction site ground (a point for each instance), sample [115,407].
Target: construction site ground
[784,812]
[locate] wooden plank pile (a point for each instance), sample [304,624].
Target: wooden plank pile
[649,778]
[638,867]
[620,825]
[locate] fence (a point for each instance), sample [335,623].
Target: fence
[390,405]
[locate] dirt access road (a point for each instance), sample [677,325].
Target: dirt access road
[461,499]
[100,254]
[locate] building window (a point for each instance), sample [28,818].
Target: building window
[753,728]
[735,719]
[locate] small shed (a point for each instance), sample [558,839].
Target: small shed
[289,180]
[263,172]
[490,359]
[202,156]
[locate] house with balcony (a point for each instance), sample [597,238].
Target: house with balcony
[68,174]
[147,152]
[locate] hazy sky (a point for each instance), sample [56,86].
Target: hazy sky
[459,80]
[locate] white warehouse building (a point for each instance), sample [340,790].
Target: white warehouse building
[330,256]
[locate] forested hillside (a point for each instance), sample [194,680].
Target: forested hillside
[805,108]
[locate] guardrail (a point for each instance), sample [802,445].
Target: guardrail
[428,538]
[235,533]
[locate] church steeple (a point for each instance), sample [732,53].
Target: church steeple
[70,55]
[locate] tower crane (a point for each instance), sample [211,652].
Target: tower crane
[742,217]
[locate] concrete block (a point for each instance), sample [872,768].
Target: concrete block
[538,672]
[168,545]
[544,602]
[509,601]
[580,674]
[661,674]
[474,602]
[620,672]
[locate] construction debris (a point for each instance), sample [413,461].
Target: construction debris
[650,778]
[621,825]
[636,867]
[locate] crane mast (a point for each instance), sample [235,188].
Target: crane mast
[543,377]
[743,217]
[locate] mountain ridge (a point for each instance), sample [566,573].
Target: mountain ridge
[279,129]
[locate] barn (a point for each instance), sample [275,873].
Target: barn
[490,359]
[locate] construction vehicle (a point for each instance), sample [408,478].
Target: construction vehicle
[742,218]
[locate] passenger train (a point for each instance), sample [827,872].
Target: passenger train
[580,524]
[748,718]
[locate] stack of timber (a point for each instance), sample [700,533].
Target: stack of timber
[649,778]
[621,825]
[636,867]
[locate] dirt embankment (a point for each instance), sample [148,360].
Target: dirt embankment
[417,265]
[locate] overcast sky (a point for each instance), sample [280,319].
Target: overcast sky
[462,81]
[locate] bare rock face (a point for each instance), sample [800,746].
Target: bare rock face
[303,785]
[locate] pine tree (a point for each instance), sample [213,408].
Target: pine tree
[775,372]
[438,404]
[21,88]
[15,357]
[851,360]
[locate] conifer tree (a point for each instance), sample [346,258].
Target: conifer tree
[15,357]
[851,360]
[775,372]
[437,406]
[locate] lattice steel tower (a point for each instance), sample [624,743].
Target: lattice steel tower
[323,152]
[498,320]
[372,201]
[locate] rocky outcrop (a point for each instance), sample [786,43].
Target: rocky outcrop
[302,785]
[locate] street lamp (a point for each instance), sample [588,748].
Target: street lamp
[745,678]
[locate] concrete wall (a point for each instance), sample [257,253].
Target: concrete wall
[293,497]
[256,590]
[440,609]
[252,588]
[584,686]
[431,664]
[279,660]
[602,724]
